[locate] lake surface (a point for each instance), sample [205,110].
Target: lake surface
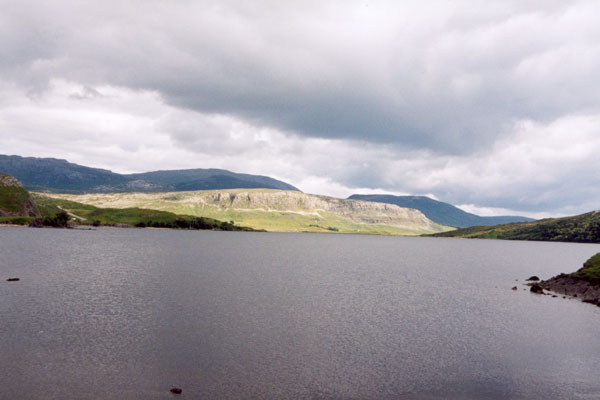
[129,313]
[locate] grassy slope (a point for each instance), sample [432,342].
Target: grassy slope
[13,198]
[88,214]
[299,219]
[584,228]
[16,220]
[590,270]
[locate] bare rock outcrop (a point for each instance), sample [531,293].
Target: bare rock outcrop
[569,285]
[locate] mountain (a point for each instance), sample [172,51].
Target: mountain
[53,175]
[14,200]
[274,210]
[584,228]
[438,211]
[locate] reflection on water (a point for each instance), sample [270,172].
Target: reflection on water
[118,313]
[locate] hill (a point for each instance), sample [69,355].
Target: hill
[14,200]
[440,212]
[89,215]
[584,228]
[275,210]
[53,175]
[18,207]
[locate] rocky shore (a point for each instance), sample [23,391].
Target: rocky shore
[569,285]
[583,284]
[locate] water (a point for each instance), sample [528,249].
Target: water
[127,314]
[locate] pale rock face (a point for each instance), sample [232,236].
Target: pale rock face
[278,203]
[7,180]
[266,200]
[357,210]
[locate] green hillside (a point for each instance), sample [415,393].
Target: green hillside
[590,270]
[275,210]
[14,200]
[584,228]
[89,215]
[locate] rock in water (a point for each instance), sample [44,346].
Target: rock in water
[13,279]
[176,390]
[535,288]
[514,288]
[533,278]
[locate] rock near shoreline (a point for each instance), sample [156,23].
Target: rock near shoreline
[569,285]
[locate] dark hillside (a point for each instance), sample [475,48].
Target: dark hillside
[53,175]
[584,228]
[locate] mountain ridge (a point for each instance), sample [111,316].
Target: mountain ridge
[56,175]
[440,212]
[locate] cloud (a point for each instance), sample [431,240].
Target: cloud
[494,211]
[448,77]
[489,104]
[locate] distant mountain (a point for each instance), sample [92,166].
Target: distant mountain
[438,211]
[53,175]
[584,228]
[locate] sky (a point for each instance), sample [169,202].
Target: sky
[492,106]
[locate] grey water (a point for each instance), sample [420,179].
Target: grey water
[129,313]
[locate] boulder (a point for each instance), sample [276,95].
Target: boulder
[535,288]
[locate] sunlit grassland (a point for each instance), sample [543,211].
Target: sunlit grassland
[132,216]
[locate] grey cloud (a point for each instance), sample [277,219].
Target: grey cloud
[87,92]
[549,167]
[433,75]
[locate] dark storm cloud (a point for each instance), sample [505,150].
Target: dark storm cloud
[432,75]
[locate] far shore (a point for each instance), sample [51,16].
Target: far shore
[13,226]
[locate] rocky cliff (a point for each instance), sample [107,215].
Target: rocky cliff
[276,210]
[301,203]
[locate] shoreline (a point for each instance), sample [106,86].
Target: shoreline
[568,285]
[2,225]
